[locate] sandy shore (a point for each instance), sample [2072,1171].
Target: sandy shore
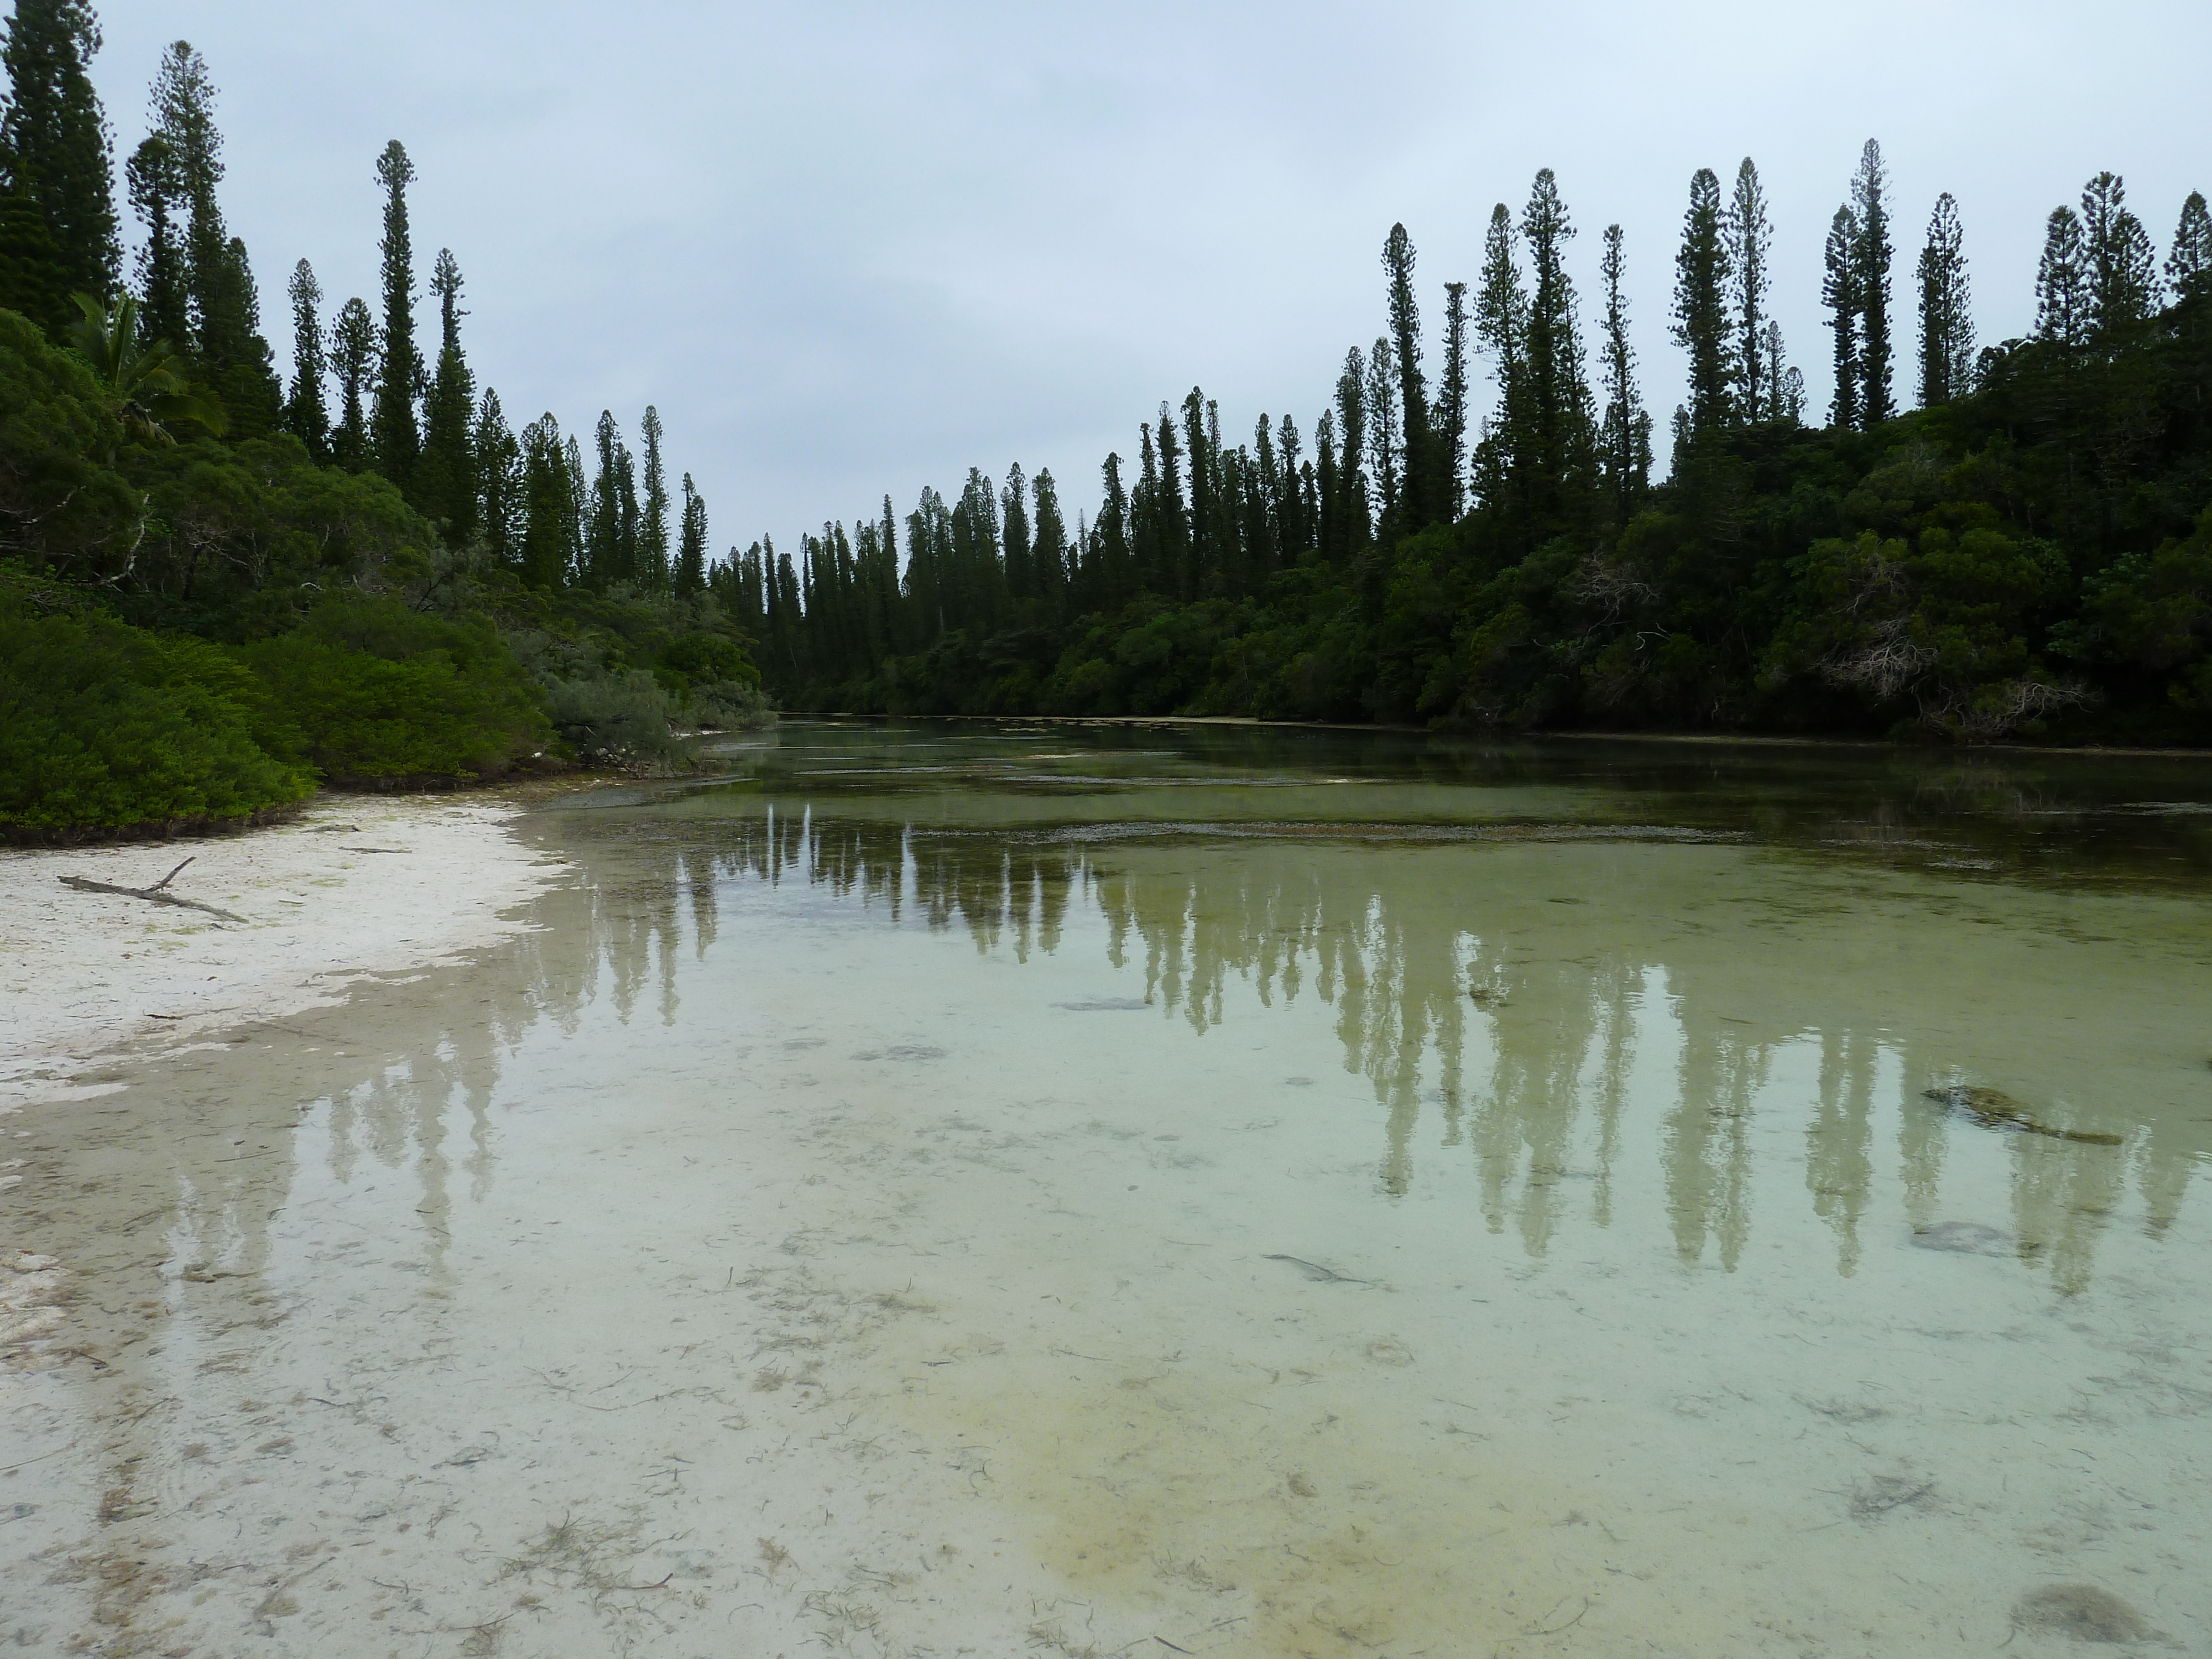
[355,886]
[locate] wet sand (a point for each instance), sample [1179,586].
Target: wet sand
[355,886]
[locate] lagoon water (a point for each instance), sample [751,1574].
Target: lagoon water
[953,1188]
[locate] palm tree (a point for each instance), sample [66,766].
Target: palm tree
[142,381]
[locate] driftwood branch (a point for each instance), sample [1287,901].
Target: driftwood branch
[153,895]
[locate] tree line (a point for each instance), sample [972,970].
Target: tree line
[218,588]
[1410,555]
[364,396]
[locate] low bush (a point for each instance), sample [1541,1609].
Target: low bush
[107,728]
[376,693]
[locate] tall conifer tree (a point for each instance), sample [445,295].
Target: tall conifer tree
[549,505]
[1870,264]
[652,562]
[225,332]
[1385,449]
[1785,400]
[1839,292]
[2063,300]
[446,486]
[156,187]
[1750,237]
[2122,266]
[1115,586]
[394,437]
[353,357]
[306,412]
[1947,324]
[1014,531]
[1049,553]
[1624,445]
[1703,267]
[691,546]
[1501,324]
[1452,409]
[606,537]
[1424,484]
[1560,429]
[2189,267]
[54,149]
[499,483]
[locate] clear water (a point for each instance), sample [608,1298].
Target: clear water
[954,1189]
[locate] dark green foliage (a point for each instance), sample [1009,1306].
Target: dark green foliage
[236,620]
[33,281]
[54,151]
[62,502]
[104,727]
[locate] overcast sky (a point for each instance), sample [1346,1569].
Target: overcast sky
[854,248]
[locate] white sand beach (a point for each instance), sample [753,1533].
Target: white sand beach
[355,886]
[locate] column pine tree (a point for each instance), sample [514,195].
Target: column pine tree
[1703,267]
[1839,292]
[1750,237]
[1625,446]
[353,359]
[395,441]
[653,569]
[1870,262]
[306,412]
[54,149]
[446,486]
[1947,324]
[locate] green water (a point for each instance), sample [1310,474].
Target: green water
[1026,1189]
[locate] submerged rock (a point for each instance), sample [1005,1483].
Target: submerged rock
[1994,1109]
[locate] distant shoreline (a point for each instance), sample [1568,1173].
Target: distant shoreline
[1716,739]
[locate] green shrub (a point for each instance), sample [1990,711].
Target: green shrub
[378,692]
[731,706]
[618,717]
[105,727]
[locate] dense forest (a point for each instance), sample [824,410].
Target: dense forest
[2025,551]
[220,588]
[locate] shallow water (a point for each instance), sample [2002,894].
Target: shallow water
[951,1189]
